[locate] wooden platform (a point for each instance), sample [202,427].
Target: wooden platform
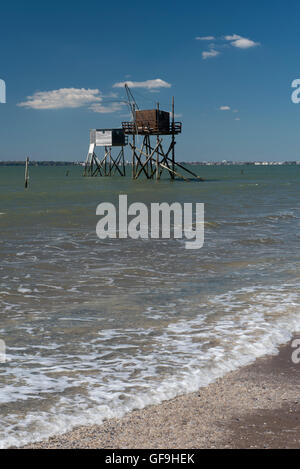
[133,128]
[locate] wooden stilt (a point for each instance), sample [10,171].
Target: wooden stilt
[157,159]
[173,139]
[26,173]
[133,156]
[95,167]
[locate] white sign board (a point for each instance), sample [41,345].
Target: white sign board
[103,138]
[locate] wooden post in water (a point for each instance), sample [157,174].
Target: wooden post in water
[133,157]
[173,139]
[157,142]
[133,142]
[26,173]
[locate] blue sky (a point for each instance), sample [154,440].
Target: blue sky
[230,65]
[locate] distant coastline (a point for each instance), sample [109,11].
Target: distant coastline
[195,163]
[40,163]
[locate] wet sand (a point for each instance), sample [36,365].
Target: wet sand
[257,406]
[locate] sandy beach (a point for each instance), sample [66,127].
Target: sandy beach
[257,406]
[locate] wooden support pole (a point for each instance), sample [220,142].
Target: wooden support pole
[26,173]
[138,159]
[150,150]
[98,166]
[115,164]
[173,139]
[123,162]
[133,156]
[105,161]
[110,160]
[190,172]
[157,158]
[175,173]
[157,144]
[149,157]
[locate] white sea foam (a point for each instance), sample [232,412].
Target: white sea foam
[126,364]
[24,290]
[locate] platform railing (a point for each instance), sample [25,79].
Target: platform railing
[148,128]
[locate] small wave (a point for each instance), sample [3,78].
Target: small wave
[281,216]
[210,224]
[257,242]
[261,220]
[243,324]
[24,290]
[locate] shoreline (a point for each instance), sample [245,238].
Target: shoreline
[256,406]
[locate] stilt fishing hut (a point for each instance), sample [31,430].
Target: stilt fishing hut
[151,159]
[109,163]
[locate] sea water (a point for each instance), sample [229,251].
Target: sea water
[95,328]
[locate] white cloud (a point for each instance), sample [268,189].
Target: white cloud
[234,37]
[106,109]
[224,108]
[205,38]
[234,40]
[72,98]
[210,54]
[241,42]
[244,43]
[176,116]
[111,95]
[148,84]
[62,98]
